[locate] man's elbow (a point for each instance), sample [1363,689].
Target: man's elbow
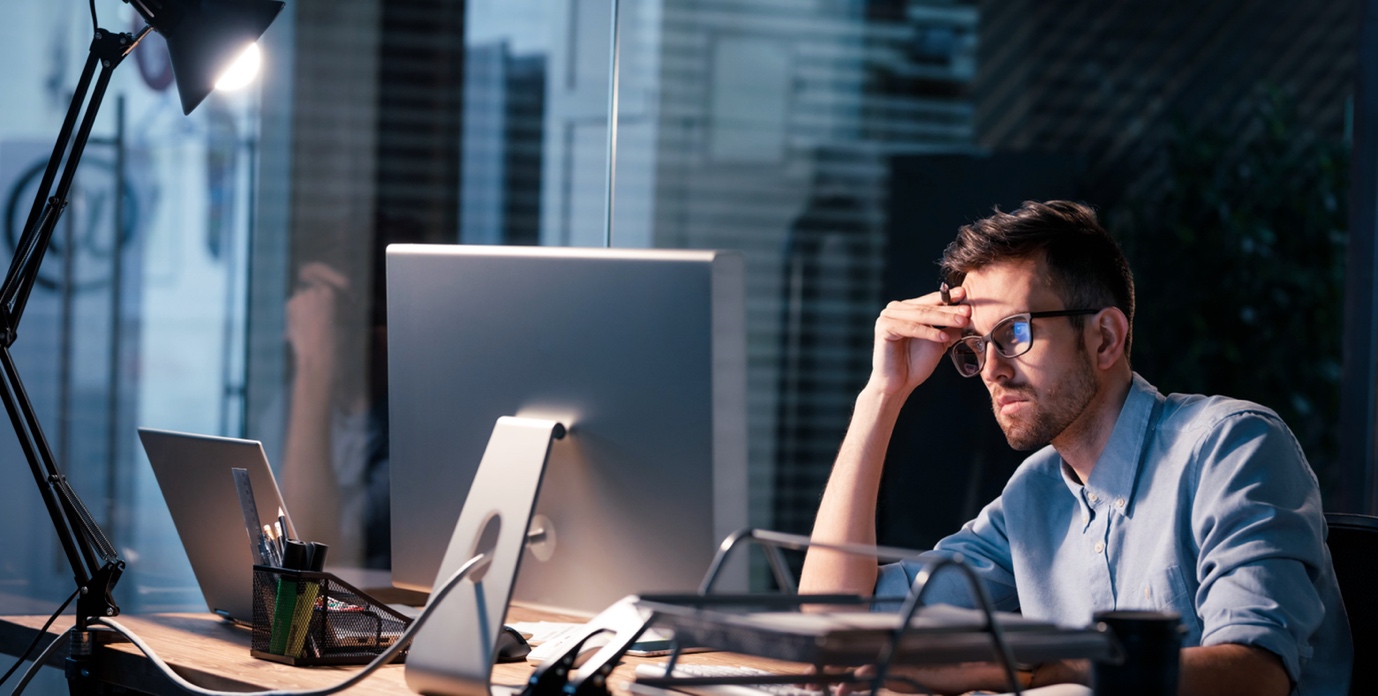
[826,571]
[1233,669]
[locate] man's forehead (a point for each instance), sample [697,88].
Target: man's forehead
[1009,287]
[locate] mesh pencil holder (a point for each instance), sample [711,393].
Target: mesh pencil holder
[307,618]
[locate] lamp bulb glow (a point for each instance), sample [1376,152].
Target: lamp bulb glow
[242,71]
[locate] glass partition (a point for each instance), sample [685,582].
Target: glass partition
[837,143]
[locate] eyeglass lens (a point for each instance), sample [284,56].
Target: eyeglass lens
[1012,338]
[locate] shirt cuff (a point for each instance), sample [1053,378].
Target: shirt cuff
[892,583]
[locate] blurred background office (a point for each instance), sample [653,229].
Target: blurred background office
[837,143]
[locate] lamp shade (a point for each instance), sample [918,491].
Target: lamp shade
[205,36]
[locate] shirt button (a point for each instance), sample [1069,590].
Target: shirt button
[1119,502]
[1085,518]
[1091,497]
[1100,547]
[1147,593]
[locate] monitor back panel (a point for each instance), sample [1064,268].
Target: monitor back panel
[640,352]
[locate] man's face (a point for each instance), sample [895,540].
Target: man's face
[1039,394]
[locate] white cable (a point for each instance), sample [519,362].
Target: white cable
[382,659]
[37,664]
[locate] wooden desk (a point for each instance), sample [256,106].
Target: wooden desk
[210,652]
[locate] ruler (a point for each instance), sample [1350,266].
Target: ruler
[245,488]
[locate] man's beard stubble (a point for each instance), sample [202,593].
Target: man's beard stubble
[1054,411]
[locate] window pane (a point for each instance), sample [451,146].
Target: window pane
[138,313]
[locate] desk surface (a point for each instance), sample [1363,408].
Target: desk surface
[215,654]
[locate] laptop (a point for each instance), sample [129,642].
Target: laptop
[193,472]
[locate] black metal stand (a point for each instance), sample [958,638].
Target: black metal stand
[559,676]
[95,564]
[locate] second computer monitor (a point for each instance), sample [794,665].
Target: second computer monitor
[640,353]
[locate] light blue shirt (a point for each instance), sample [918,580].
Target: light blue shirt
[1204,506]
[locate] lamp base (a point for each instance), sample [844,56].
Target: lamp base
[80,660]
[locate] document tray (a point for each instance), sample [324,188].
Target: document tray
[854,636]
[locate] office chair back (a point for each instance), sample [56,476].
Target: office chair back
[1353,543]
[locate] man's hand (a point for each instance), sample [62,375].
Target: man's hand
[911,338]
[311,317]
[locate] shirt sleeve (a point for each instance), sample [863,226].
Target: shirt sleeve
[1258,523]
[984,548]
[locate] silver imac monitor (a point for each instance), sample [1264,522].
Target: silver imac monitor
[641,354]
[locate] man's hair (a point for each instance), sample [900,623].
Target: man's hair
[1085,265]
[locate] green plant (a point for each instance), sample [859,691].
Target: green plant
[1240,269]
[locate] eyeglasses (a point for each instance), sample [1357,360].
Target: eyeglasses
[1012,337]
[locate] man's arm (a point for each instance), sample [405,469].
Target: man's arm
[309,486]
[1258,524]
[910,341]
[847,513]
[1216,670]
[1222,670]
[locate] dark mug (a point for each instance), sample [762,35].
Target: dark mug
[1144,659]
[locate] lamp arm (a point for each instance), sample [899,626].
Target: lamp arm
[108,50]
[63,137]
[95,564]
[37,453]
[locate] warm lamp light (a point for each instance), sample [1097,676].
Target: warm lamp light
[203,36]
[242,71]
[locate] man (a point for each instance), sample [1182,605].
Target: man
[1136,500]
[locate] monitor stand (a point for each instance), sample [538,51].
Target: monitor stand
[453,652]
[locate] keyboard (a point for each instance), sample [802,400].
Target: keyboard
[683,670]
[558,639]
[553,639]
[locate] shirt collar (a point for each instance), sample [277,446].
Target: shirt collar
[1112,480]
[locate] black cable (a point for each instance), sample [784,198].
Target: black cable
[38,662]
[95,25]
[41,632]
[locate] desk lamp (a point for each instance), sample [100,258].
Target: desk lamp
[203,38]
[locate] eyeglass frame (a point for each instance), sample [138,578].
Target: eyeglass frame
[986,340]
